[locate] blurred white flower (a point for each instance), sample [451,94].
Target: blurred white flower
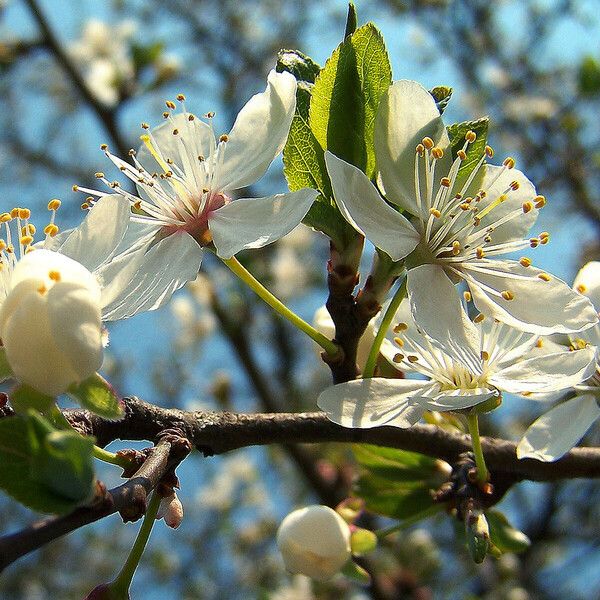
[299,589]
[289,273]
[529,108]
[314,541]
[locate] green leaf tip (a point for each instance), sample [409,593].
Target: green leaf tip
[351,20]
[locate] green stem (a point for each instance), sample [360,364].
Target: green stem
[406,523]
[383,329]
[100,453]
[330,347]
[120,586]
[482,472]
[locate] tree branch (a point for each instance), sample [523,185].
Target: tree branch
[216,433]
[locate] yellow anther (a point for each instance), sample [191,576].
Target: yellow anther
[464,206]
[479,318]
[210,114]
[539,343]
[489,151]
[42,289]
[26,240]
[427,142]
[461,154]
[137,205]
[582,289]
[28,229]
[399,342]
[485,355]
[509,162]
[412,358]
[104,147]
[75,188]
[434,212]
[99,175]
[514,185]
[420,149]
[455,247]
[398,358]
[539,201]
[180,97]
[51,229]
[170,104]
[14,213]
[166,114]
[175,132]
[437,153]
[5,217]
[224,138]
[54,275]
[508,295]
[145,126]
[544,277]
[54,204]
[470,136]
[84,206]
[24,213]
[400,327]
[2,246]
[191,117]
[534,242]
[479,252]
[445,182]
[467,296]
[527,207]
[525,262]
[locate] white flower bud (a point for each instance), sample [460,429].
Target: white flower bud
[314,541]
[171,510]
[50,322]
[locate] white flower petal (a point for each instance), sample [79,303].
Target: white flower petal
[556,432]
[256,222]
[259,133]
[197,134]
[548,373]
[455,399]
[367,211]
[587,282]
[538,306]
[164,268]
[407,113]
[437,310]
[365,403]
[496,181]
[96,239]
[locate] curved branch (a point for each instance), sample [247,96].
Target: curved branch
[216,433]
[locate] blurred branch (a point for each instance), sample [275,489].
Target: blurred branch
[105,114]
[128,499]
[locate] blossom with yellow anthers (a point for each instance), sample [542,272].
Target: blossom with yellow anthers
[492,358]
[455,225]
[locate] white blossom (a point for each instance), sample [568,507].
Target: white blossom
[314,541]
[490,358]
[185,178]
[457,226]
[554,433]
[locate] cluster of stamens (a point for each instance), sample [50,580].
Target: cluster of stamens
[187,188]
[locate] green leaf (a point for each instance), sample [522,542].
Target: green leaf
[474,151]
[21,442]
[302,67]
[97,395]
[346,96]
[356,572]
[362,541]
[589,76]
[24,397]
[351,20]
[61,460]
[304,166]
[441,94]
[5,369]
[144,55]
[504,536]
[396,465]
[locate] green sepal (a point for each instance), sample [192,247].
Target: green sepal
[362,541]
[346,95]
[356,573]
[301,66]
[23,441]
[24,397]
[5,369]
[442,95]
[98,396]
[475,150]
[504,536]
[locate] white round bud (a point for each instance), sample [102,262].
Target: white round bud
[50,322]
[171,510]
[314,541]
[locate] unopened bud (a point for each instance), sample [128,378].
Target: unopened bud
[171,510]
[478,536]
[314,541]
